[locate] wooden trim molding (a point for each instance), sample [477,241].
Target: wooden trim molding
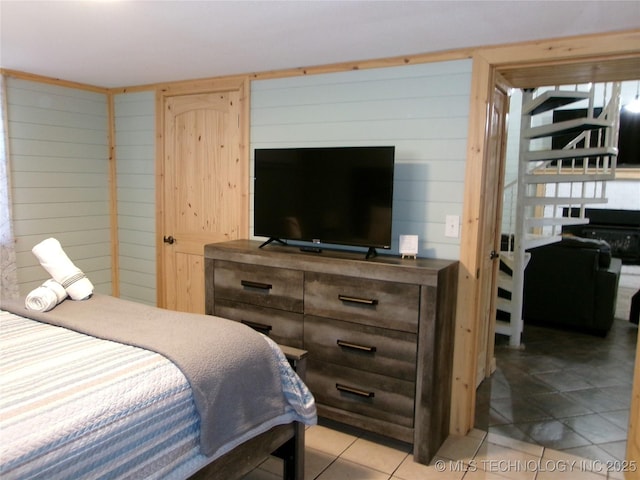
[575,54]
[113,198]
[628,173]
[576,49]
[444,56]
[468,304]
[209,85]
[622,173]
[51,81]
[159,221]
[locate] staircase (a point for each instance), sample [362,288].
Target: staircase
[563,167]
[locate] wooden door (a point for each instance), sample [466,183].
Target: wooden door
[492,207]
[204,190]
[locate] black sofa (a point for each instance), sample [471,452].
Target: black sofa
[572,283]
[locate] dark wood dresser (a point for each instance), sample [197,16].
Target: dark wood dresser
[379,332]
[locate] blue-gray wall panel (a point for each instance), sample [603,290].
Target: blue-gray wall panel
[59,154]
[421,109]
[135,165]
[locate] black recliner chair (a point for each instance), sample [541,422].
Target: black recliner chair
[572,283]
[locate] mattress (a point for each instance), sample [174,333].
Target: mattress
[75,406]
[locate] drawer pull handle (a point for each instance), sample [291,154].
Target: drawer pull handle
[355,391]
[363,301]
[355,346]
[260,327]
[251,284]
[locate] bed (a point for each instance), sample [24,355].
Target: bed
[107,388]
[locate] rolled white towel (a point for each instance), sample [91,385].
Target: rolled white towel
[58,289]
[55,261]
[46,296]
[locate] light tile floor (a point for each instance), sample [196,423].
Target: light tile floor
[339,453]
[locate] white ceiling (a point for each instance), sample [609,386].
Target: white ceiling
[125,43]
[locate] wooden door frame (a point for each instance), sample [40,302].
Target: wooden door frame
[500,86]
[163,92]
[594,58]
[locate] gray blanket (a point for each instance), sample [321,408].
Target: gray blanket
[231,368]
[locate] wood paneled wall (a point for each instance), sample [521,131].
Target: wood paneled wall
[598,57]
[136,196]
[421,109]
[59,150]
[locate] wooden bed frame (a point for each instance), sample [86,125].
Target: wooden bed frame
[283,441]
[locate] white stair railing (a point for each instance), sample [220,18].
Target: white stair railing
[552,184]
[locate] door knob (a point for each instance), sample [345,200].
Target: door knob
[493,255]
[170,240]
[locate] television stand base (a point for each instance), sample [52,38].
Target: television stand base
[273,239]
[371,253]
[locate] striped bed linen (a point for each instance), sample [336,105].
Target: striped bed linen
[73,406]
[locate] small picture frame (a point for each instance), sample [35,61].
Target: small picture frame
[409,246]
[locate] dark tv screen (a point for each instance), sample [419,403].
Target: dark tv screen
[628,135]
[336,195]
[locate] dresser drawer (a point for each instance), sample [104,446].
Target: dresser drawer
[282,327]
[371,302]
[365,393]
[378,350]
[258,285]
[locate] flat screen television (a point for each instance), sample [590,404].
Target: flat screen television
[333,195]
[628,135]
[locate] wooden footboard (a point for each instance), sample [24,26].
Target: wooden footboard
[283,441]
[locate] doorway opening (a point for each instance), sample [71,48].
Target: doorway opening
[564,389]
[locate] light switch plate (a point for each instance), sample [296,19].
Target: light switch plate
[452,226]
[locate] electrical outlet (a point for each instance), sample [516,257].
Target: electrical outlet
[452,226]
